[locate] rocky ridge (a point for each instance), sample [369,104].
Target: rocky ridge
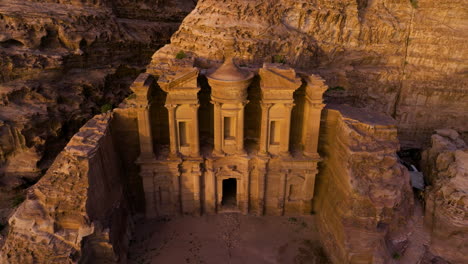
[60,215]
[445,165]
[61,62]
[363,198]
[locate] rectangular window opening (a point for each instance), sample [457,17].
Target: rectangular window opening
[228,127]
[274,133]
[183,134]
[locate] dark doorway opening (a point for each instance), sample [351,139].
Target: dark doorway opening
[229,193]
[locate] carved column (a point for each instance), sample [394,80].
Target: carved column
[172,129]
[284,147]
[142,89]
[144,131]
[312,126]
[210,189]
[148,183]
[264,128]
[240,128]
[196,188]
[195,131]
[282,191]
[308,190]
[218,131]
[312,111]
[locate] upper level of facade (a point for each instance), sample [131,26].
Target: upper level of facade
[228,110]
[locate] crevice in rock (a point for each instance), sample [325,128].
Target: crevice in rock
[11,43]
[403,71]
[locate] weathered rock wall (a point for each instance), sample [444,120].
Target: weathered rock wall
[445,165]
[363,194]
[404,58]
[61,61]
[78,211]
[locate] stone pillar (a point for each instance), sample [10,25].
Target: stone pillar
[312,112]
[264,128]
[148,184]
[284,145]
[312,127]
[218,131]
[196,188]
[282,192]
[210,189]
[261,186]
[172,130]
[243,202]
[308,190]
[142,89]
[144,131]
[195,131]
[240,128]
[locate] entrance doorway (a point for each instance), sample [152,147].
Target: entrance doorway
[229,193]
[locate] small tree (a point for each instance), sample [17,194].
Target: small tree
[106,108]
[181,55]
[279,59]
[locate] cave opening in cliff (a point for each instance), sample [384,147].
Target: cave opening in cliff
[229,193]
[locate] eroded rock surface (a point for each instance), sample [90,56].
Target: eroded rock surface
[79,204]
[446,167]
[404,58]
[363,196]
[61,61]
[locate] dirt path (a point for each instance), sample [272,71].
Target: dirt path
[227,238]
[418,238]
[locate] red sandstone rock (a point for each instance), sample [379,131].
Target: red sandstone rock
[446,168]
[77,211]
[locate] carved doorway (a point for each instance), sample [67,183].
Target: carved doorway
[229,199]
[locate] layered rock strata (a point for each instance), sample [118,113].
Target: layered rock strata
[445,166]
[404,58]
[362,192]
[78,210]
[60,62]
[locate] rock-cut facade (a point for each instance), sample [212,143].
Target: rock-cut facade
[227,139]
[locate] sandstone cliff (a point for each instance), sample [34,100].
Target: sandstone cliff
[362,196]
[404,58]
[446,167]
[61,61]
[78,210]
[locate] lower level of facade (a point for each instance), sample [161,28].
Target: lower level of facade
[249,185]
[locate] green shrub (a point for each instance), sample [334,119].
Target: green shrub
[414,3]
[336,88]
[181,55]
[106,108]
[279,59]
[396,255]
[17,200]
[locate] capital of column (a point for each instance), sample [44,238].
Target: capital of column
[143,106]
[170,106]
[290,105]
[216,103]
[317,105]
[195,106]
[266,106]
